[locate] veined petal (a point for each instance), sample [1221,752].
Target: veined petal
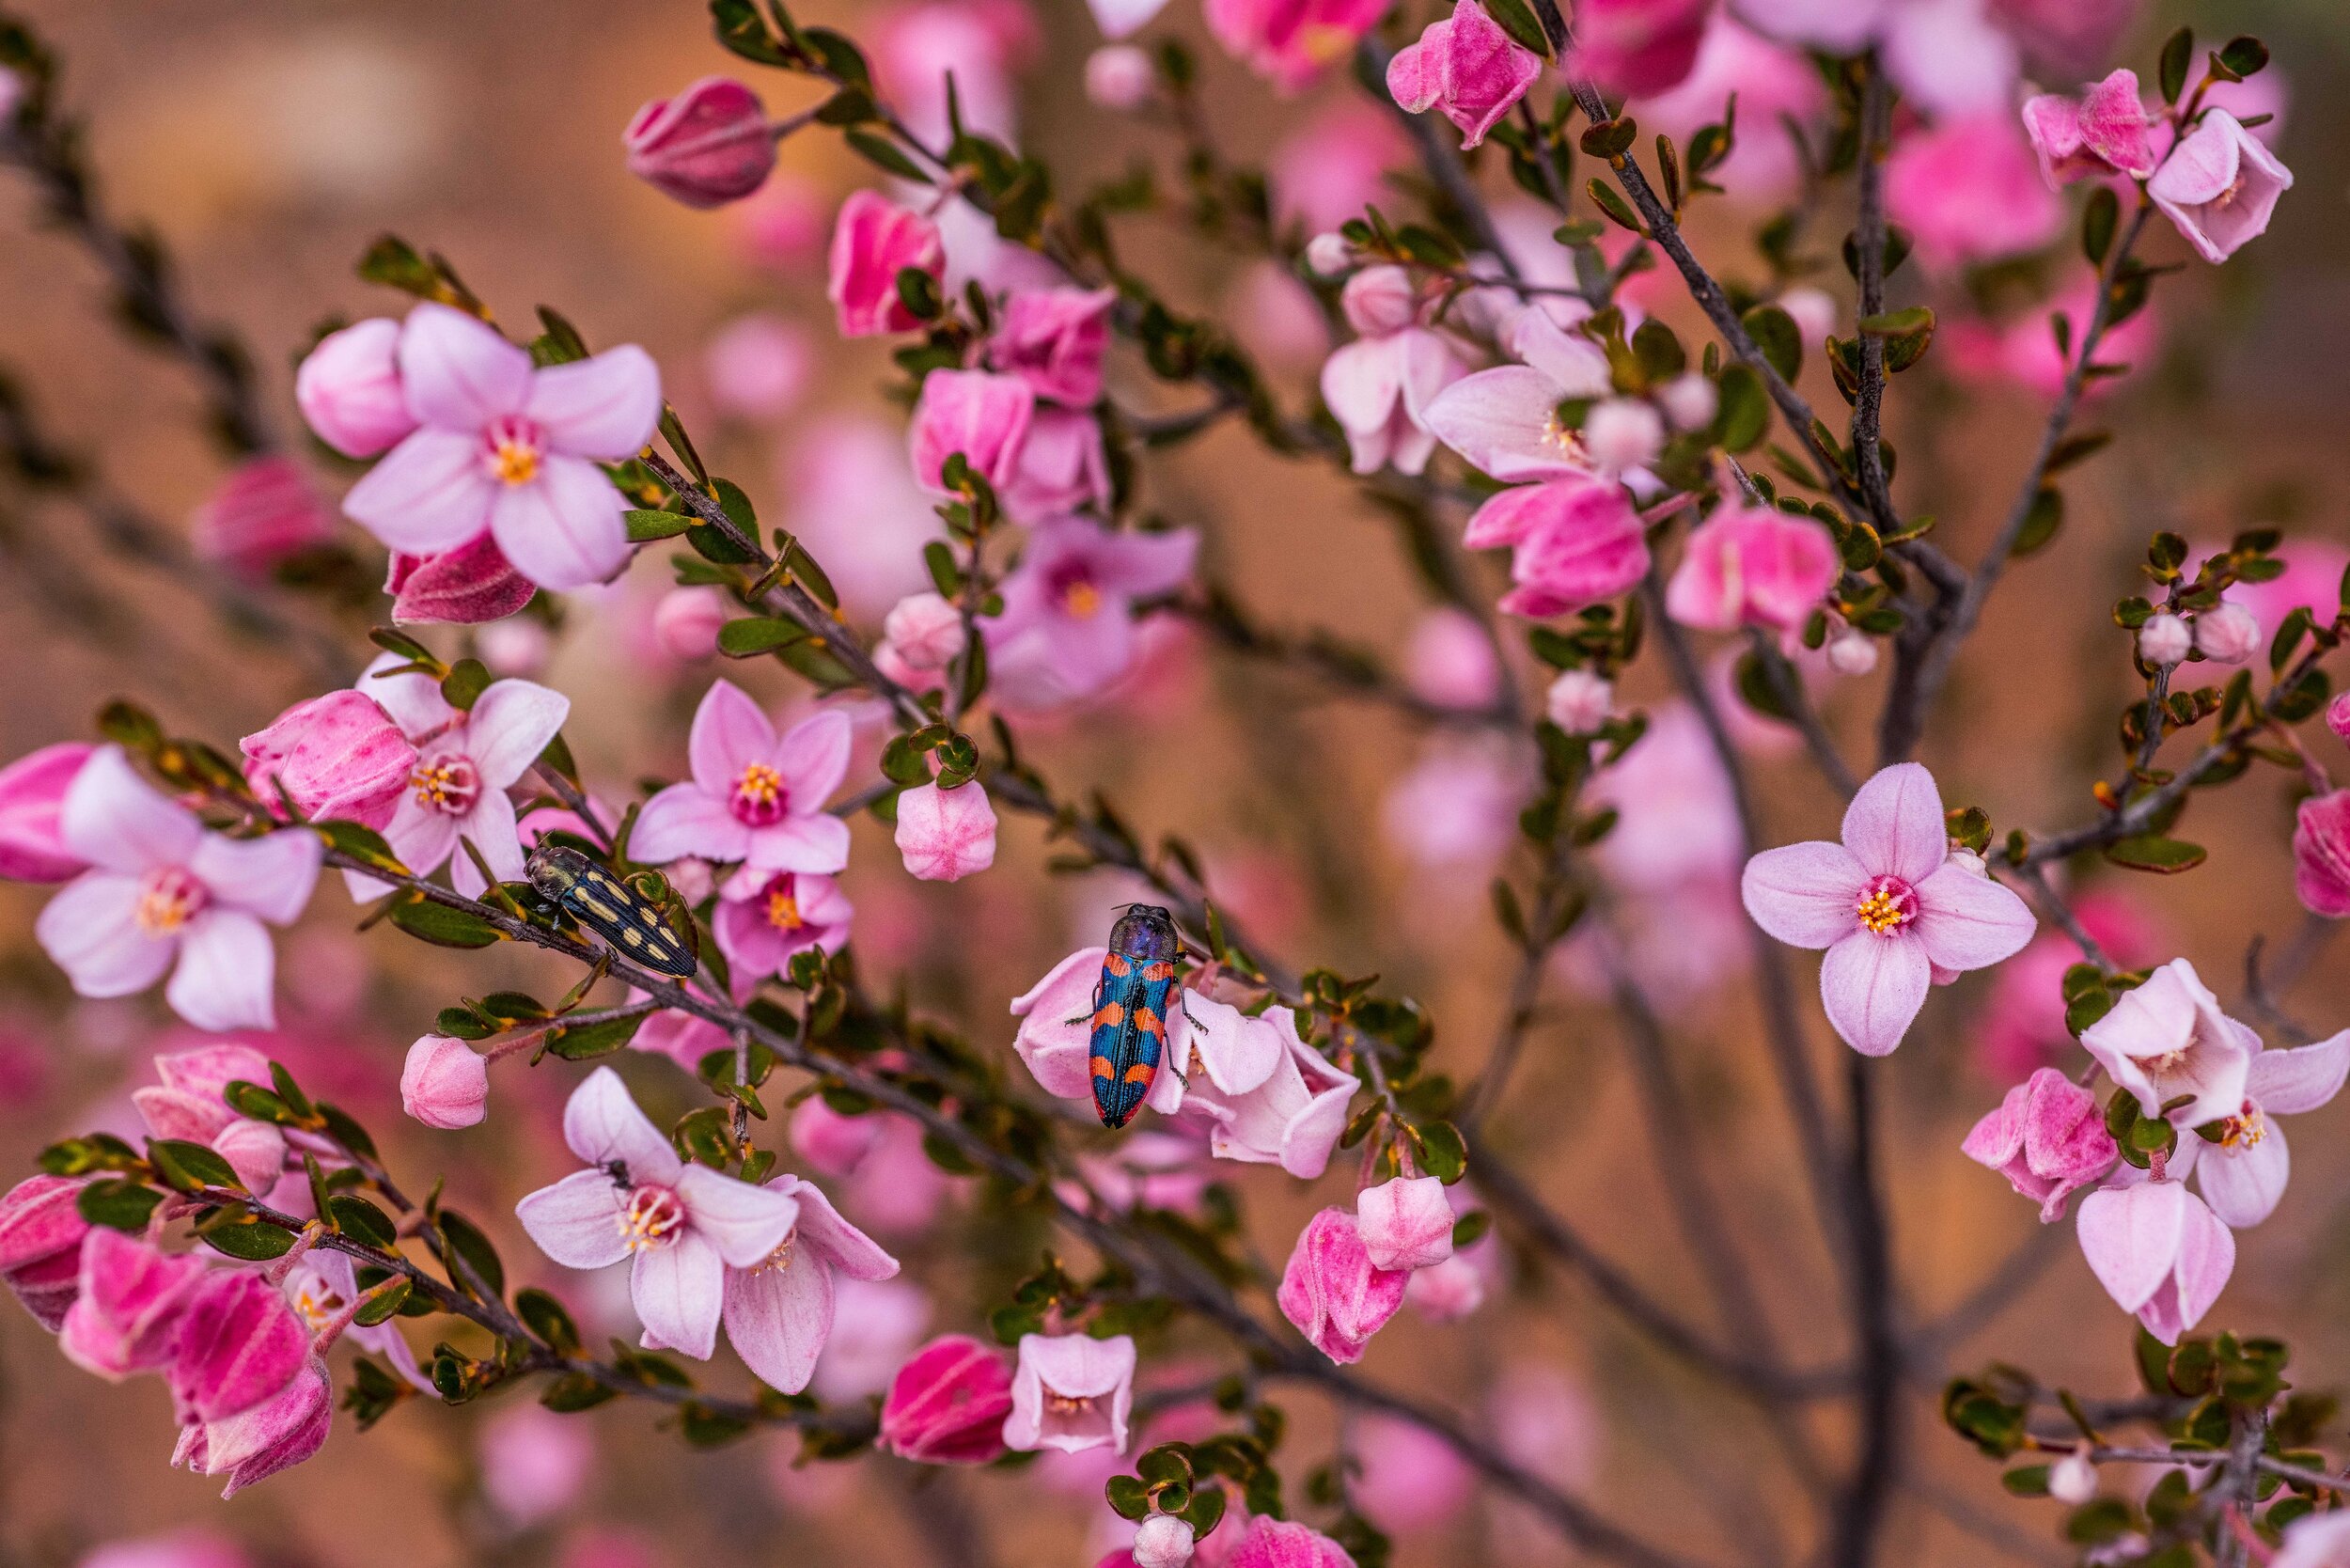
[2130,1236]
[412,698]
[226,967]
[678,1291]
[1501,421]
[563,529]
[272,876]
[839,1243]
[1804,894]
[1968,921]
[729,733]
[91,929]
[2206,1259]
[2243,1185]
[1894,825]
[511,724]
[601,1124]
[422,837]
[813,758]
[1872,987]
[686,819]
[577,1221]
[817,844]
[745,1223]
[432,492]
[603,406]
[114,819]
[2286,1083]
[491,827]
[457,371]
[777,1319]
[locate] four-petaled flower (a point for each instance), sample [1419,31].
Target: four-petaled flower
[756,797]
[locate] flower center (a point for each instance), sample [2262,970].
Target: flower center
[2244,1130]
[1067,1405]
[168,898]
[651,1218]
[316,1303]
[759,796]
[1886,904]
[513,445]
[1082,600]
[783,910]
[2234,189]
[447,784]
[1562,438]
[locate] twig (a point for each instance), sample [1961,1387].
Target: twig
[1876,117]
[1861,1513]
[1787,687]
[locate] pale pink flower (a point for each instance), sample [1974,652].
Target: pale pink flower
[1120,19]
[190,1103]
[1331,1290]
[760,925]
[1450,661]
[686,620]
[1120,76]
[1466,67]
[188,1549]
[444,1083]
[875,1325]
[2168,1040]
[2243,1175]
[948,1404]
[1573,542]
[922,635]
[681,1226]
[41,1232]
[32,814]
[946,835]
[779,1309]
[1409,1477]
[534,1462]
[853,501]
[1773,83]
[873,240]
[981,43]
[348,389]
[1278,1544]
[757,366]
[337,757]
[1506,422]
[1146,1171]
[322,1288]
[2104,129]
[706,147]
[982,417]
[1162,1540]
[1752,565]
[1888,906]
[1579,702]
[1291,1116]
[2315,1541]
[1381,390]
[164,892]
[1070,1392]
[755,797]
[1067,630]
[1637,47]
[1055,340]
[2158,1251]
[1621,434]
[2220,186]
[1292,41]
[828,1142]
[2228,634]
[1062,468]
[2048,1137]
[1337,161]
[510,450]
[1970,190]
[265,511]
[1456,807]
[465,586]
[1405,1223]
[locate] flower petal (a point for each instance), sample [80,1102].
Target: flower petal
[1804,894]
[2243,1185]
[1968,921]
[2286,1083]
[91,929]
[271,876]
[778,1319]
[562,530]
[412,698]
[1500,420]
[1872,987]
[817,844]
[813,756]
[678,1291]
[511,724]
[2130,1236]
[457,371]
[745,1223]
[114,819]
[577,1221]
[603,406]
[492,828]
[729,733]
[601,1124]
[686,819]
[1894,825]
[432,492]
[227,966]
[2206,1259]
[841,1244]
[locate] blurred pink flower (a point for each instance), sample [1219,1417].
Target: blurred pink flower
[898,1190]
[686,620]
[1121,77]
[981,416]
[465,586]
[784,225]
[1275,316]
[2023,1024]
[2158,1251]
[1409,1479]
[1055,339]
[1455,808]
[853,501]
[1970,190]
[706,147]
[1450,661]
[1466,67]
[2025,350]
[946,835]
[337,757]
[32,813]
[1070,1392]
[873,240]
[2048,1137]
[348,389]
[828,1142]
[42,1230]
[2220,186]
[1062,468]
[948,1404]
[189,1548]
[1333,1293]
[1272,1543]
[916,47]
[1329,169]
[2102,131]
[1948,56]
[1773,85]
[757,366]
[265,511]
[1634,48]
[1066,629]
[2312,578]
[1382,389]
[1292,41]
[754,797]
[876,1324]
[1149,1171]
[535,1464]
[1752,565]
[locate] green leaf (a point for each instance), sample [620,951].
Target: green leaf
[119,1203]
[2100,218]
[1443,1154]
[2042,522]
[1166,1463]
[575,1392]
[252,1100]
[754,634]
[190,1166]
[363,844]
[1516,18]
[467,1241]
[384,1308]
[587,1040]
[467,678]
[1611,138]
[2029,1480]
[1617,210]
[2244,56]
[2178,51]
[645,526]
[444,927]
[1744,415]
[885,155]
[2152,852]
[1775,334]
[1206,1511]
[548,1318]
[744,31]
[361,1220]
[245,1239]
[1128,1497]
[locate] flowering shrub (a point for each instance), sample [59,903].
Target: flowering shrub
[1518,347]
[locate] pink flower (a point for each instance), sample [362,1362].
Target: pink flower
[2312,578]
[337,757]
[1056,1032]
[2168,1039]
[708,145]
[190,1103]
[1067,630]
[1405,1223]
[853,500]
[682,1226]
[1575,542]
[2048,1137]
[2023,1027]
[760,925]
[872,242]
[876,1325]
[1450,661]
[828,1142]
[2320,854]
[1467,68]
[1970,190]
[1325,171]
[467,758]
[255,1443]
[190,1548]
[465,586]
[1505,421]
[757,366]
[126,1316]
[265,512]
[985,417]
[1120,19]
[755,797]
[1381,391]
[685,622]
[1148,1170]
[534,1462]
[1292,41]
[348,389]
[443,1084]
[1888,903]
[1290,1116]
[1121,77]
[946,835]
[1948,56]
[1062,468]
[1752,565]
[2106,129]
[1070,1392]
[163,890]
[1278,1544]
[32,814]
[2243,1175]
[2220,186]
[922,635]
[1635,47]
[779,1309]
[510,450]
[1331,1290]
[237,1344]
[1774,84]
[2315,1541]
[1456,807]
[41,1230]
[1411,1478]
[1053,339]
[2158,1251]
[948,1405]
[978,42]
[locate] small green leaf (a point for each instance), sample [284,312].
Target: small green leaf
[467,678]
[645,526]
[444,927]
[119,1203]
[2178,51]
[2099,220]
[1775,334]
[471,1247]
[1516,18]
[2152,852]
[1443,1154]
[754,634]
[883,154]
[1617,210]
[2042,522]
[361,1220]
[245,1239]
[190,1166]
[548,1318]
[1744,415]
[2244,56]
[588,1041]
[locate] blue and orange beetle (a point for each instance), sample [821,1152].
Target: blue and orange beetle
[1130,1010]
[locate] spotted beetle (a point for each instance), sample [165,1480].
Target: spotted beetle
[609,907]
[1130,1003]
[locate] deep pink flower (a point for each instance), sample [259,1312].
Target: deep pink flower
[1466,68]
[348,389]
[238,1342]
[755,797]
[1889,906]
[126,1316]
[2104,130]
[162,889]
[257,1442]
[1752,565]
[510,450]
[1278,1544]
[946,835]
[2158,1251]
[1970,190]
[32,810]
[1055,339]
[1575,542]
[779,914]
[2243,1175]
[1635,47]
[981,415]
[337,757]
[42,1230]
[708,145]
[1292,41]
[1332,1291]
[948,1405]
[682,1226]
[1774,84]
[265,511]
[189,1102]
[2320,854]
[778,1310]
[2168,1039]
[1405,1223]
[468,586]
[2048,1137]
[1070,1392]
[2220,186]
[1338,161]
[1067,630]
[444,1083]
[873,240]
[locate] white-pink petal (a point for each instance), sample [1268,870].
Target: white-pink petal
[2243,1185]
[2130,1236]
[814,758]
[272,876]
[412,698]
[1968,921]
[678,1291]
[511,723]
[114,819]
[2286,1083]
[778,1319]
[457,371]
[1871,987]
[745,1223]
[686,819]
[1894,825]
[1502,421]
[833,1238]
[432,492]
[729,733]
[226,970]
[491,826]
[91,929]
[563,529]
[817,844]
[1804,894]
[578,1221]
[603,406]
[601,1124]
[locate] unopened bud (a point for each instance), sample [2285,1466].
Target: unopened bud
[2073,1480]
[2164,640]
[1329,255]
[1162,1542]
[2228,634]
[1852,653]
[1118,77]
[1578,701]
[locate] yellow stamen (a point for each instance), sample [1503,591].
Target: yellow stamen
[761,785]
[1881,912]
[514,464]
[783,911]
[1082,600]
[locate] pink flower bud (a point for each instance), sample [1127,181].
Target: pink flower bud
[42,1230]
[686,620]
[2048,1137]
[339,758]
[2165,640]
[829,1143]
[2103,131]
[1329,255]
[1332,1291]
[443,1084]
[1579,701]
[1466,68]
[1622,433]
[2320,854]
[127,1318]
[2073,1480]
[464,587]
[1055,339]
[924,631]
[1450,661]
[1752,565]
[265,512]
[1851,652]
[1163,1541]
[1815,311]
[1120,76]
[1405,1223]
[947,1405]
[708,145]
[872,242]
[238,1344]
[1278,1544]
[277,1433]
[1689,402]
[2337,718]
[256,1150]
[985,417]
[348,389]
[946,835]
[2227,634]
[516,645]
[32,795]
[1379,300]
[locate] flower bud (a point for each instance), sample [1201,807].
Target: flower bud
[2227,634]
[1579,701]
[32,799]
[946,835]
[691,877]
[1815,311]
[465,586]
[275,1434]
[443,1084]
[2164,640]
[2337,719]
[338,757]
[829,1143]
[517,646]
[947,1405]
[686,622]
[1689,402]
[924,631]
[2320,854]
[1162,1542]
[42,1230]
[348,389]
[1379,300]
[1622,433]
[2073,1480]
[1405,1223]
[708,145]
[256,1150]
[265,512]
[1329,255]
[1851,652]
[238,1344]
[1120,76]
[1333,1293]
[127,1317]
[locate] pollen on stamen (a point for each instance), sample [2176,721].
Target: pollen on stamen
[652,1214]
[1885,905]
